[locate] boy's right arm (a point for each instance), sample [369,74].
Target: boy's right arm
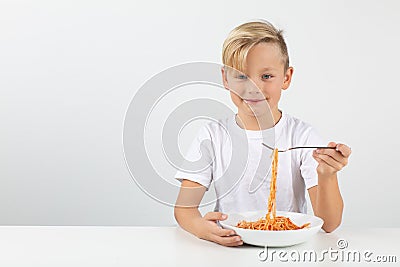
[189,218]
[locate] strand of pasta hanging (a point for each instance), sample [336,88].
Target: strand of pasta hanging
[271,221]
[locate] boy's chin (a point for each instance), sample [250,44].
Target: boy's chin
[258,114]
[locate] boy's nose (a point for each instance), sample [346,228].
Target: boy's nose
[253,88]
[252,95]
[254,92]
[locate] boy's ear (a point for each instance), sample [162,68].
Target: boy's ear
[288,78]
[224,79]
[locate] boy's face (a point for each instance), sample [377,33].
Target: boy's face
[257,91]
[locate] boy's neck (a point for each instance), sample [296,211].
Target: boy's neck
[257,123]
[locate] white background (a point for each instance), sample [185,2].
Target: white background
[68,70]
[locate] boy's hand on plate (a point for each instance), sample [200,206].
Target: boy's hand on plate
[210,230]
[330,161]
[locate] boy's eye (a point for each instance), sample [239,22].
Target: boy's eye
[266,76]
[241,76]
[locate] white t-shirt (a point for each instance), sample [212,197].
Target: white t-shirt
[239,167]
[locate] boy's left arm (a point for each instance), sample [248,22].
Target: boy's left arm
[325,198]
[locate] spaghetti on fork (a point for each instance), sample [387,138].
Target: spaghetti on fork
[271,221]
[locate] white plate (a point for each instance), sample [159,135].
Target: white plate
[274,238]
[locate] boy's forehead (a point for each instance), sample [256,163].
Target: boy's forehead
[268,68]
[265,56]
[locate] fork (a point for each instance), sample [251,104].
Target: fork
[297,147]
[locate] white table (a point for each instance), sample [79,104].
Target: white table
[168,246]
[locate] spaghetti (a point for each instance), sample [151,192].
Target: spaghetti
[271,221]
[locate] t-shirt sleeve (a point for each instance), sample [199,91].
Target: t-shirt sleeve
[308,167]
[198,163]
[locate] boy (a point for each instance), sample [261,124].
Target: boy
[256,52]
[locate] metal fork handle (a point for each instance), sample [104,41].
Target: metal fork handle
[317,147]
[297,147]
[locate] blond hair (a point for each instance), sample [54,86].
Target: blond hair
[242,38]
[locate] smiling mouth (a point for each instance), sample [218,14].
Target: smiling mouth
[252,101]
